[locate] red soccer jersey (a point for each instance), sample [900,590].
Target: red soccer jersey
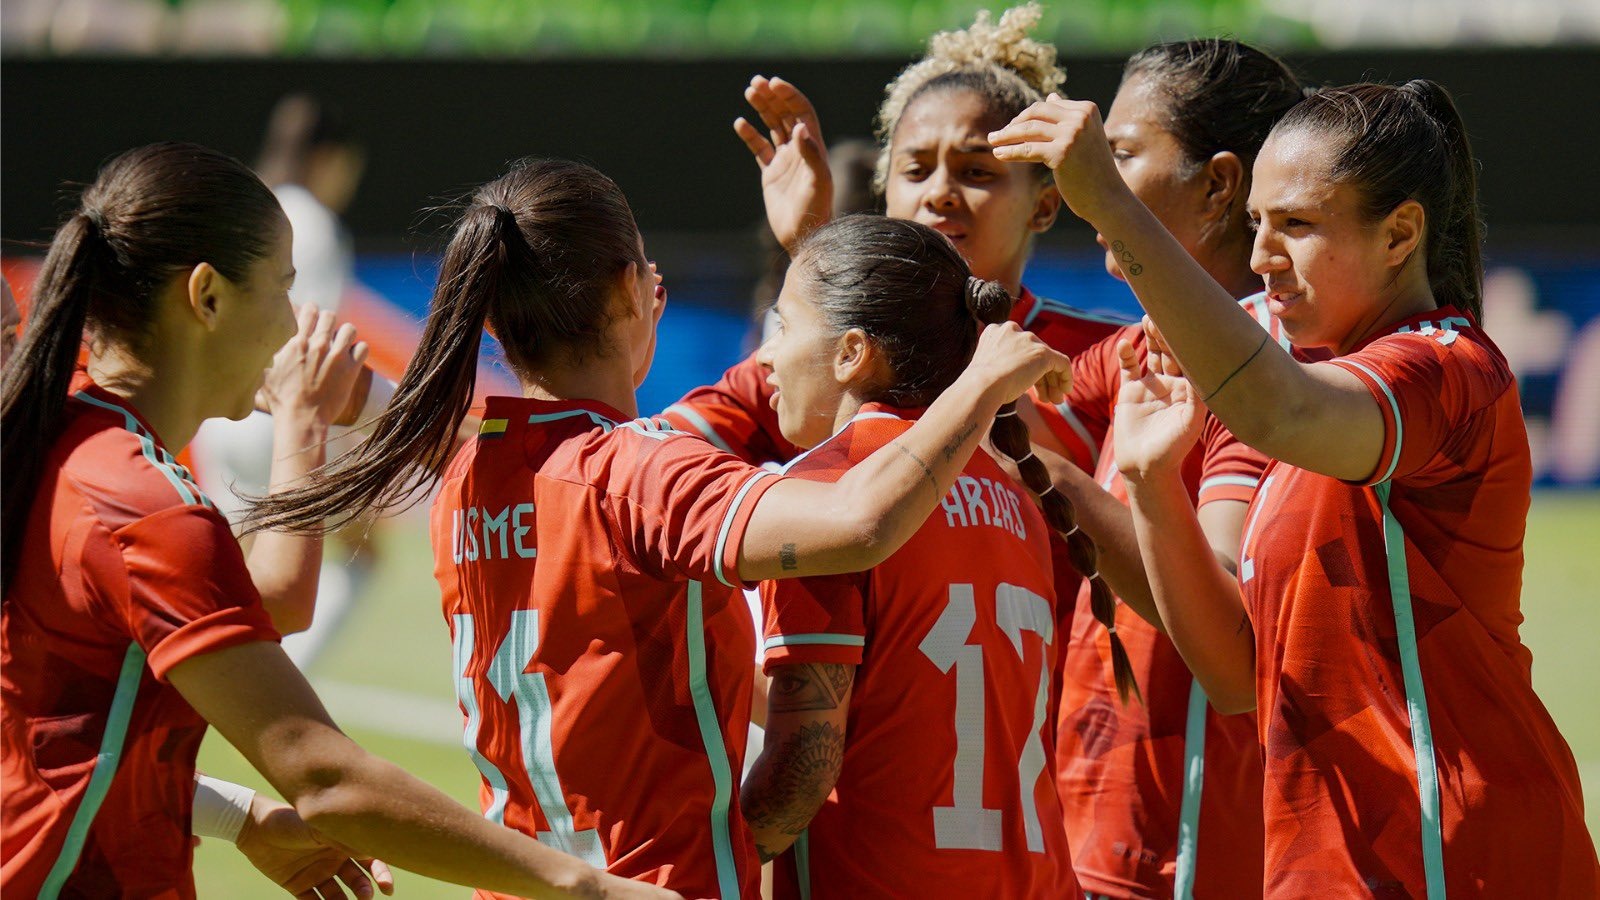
[126,571]
[1161,798]
[736,413]
[588,566]
[1404,748]
[946,789]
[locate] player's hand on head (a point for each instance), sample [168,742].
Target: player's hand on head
[1008,361]
[301,861]
[1159,414]
[796,183]
[1068,137]
[314,374]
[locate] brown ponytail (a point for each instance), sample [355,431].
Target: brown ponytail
[990,304]
[153,213]
[533,258]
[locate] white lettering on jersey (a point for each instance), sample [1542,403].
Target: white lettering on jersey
[505,533]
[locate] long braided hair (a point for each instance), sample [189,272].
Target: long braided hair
[989,304]
[906,286]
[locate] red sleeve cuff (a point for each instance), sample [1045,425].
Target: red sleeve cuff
[730,537]
[219,630]
[797,653]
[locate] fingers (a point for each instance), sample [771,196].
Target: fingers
[1128,360]
[795,105]
[305,319]
[761,97]
[356,878]
[811,149]
[381,875]
[758,145]
[1028,152]
[360,352]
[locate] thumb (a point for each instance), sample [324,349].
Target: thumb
[810,147]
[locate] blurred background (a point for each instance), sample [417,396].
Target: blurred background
[406,104]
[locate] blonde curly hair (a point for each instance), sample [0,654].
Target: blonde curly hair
[1011,70]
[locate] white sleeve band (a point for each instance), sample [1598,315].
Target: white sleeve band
[379,393]
[220,808]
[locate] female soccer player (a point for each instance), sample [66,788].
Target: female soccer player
[129,618]
[907,737]
[1374,620]
[589,560]
[934,168]
[1163,798]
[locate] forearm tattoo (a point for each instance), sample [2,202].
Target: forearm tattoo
[1125,260]
[792,782]
[954,446]
[920,464]
[788,558]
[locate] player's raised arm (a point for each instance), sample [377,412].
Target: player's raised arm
[804,528]
[1318,417]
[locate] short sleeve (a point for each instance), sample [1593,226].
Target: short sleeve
[1428,386]
[1082,422]
[820,619]
[681,506]
[735,415]
[1229,469]
[189,590]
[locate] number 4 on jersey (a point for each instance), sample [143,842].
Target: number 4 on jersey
[967,824]
[508,676]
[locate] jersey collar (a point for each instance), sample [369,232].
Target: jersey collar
[1442,318]
[84,384]
[523,407]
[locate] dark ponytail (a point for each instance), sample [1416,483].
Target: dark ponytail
[1408,143]
[534,260]
[152,214]
[909,290]
[989,304]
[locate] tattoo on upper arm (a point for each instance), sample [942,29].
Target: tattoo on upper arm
[793,780]
[788,558]
[809,686]
[1244,622]
[954,445]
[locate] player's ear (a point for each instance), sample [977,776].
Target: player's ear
[855,358]
[204,290]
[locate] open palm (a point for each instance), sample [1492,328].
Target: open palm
[1159,414]
[796,184]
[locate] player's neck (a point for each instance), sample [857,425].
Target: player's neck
[595,378]
[157,388]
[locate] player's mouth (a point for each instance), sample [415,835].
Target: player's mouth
[773,400]
[1280,300]
[949,229]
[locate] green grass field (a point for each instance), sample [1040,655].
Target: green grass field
[388,681]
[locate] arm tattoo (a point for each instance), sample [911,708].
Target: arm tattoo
[793,780]
[809,686]
[1125,260]
[920,464]
[954,446]
[788,558]
[1240,368]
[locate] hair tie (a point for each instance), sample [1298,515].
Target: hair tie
[96,220]
[1047,492]
[1111,629]
[1007,413]
[1022,459]
[1075,528]
[1094,576]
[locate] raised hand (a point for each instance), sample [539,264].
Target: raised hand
[314,374]
[796,184]
[1159,414]
[1069,138]
[285,849]
[1009,360]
